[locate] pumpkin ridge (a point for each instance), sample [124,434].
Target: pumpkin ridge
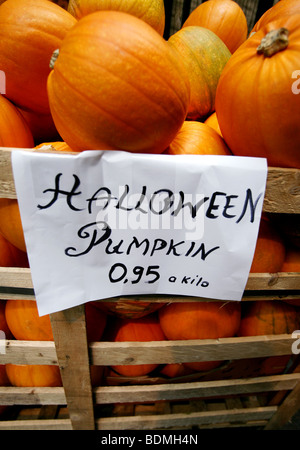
[97,106]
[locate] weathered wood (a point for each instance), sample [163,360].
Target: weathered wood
[154,422]
[197,389]
[167,352]
[47,424]
[286,410]
[11,395]
[29,352]
[69,331]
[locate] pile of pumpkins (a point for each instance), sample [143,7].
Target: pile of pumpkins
[100,75]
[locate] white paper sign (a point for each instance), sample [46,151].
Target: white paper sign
[102,224]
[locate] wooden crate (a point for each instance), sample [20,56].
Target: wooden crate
[205,402]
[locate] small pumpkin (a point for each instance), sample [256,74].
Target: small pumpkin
[200,320]
[225,18]
[41,126]
[212,121]
[197,138]
[30,31]
[204,55]
[144,329]
[257,117]
[127,89]
[10,223]
[292,260]
[58,146]
[270,249]
[14,130]
[151,11]
[24,375]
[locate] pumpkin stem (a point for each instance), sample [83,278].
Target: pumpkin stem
[273,42]
[53,58]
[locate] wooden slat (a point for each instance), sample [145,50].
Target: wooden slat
[154,422]
[49,424]
[286,410]
[29,352]
[167,352]
[198,389]
[11,395]
[69,331]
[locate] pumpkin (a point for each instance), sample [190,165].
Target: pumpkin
[204,56]
[11,256]
[4,381]
[24,375]
[151,11]
[30,31]
[292,260]
[200,320]
[257,111]
[58,146]
[144,329]
[128,309]
[10,223]
[269,317]
[175,370]
[3,322]
[197,138]
[270,247]
[14,131]
[117,84]
[25,323]
[280,9]
[225,18]
[41,126]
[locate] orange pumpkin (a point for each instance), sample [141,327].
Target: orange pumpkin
[225,18]
[257,117]
[175,370]
[23,375]
[25,323]
[3,322]
[269,252]
[4,381]
[280,9]
[197,138]
[117,84]
[30,31]
[144,329]
[11,256]
[292,260]
[268,317]
[58,146]
[204,56]
[151,11]
[129,309]
[212,121]
[200,320]
[14,131]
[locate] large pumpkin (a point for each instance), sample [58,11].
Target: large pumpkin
[23,375]
[280,9]
[144,329]
[151,11]
[292,260]
[204,56]
[270,249]
[257,110]
[200,320]
[225,18]
[10,223]
[14,131]
[30,31]
[197,138]
[11,256]
[117,84]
